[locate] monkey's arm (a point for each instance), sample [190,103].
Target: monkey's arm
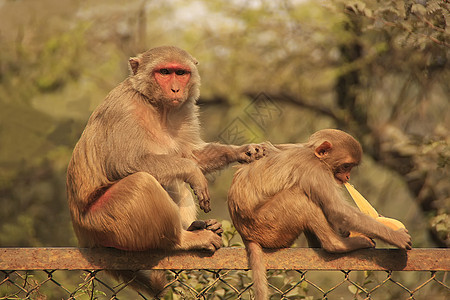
[214,156]
[345,217]
[338,212]
[166,168]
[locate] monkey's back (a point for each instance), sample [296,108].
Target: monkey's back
[261,187]
[86,170]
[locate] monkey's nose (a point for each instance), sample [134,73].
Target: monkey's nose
[175,90]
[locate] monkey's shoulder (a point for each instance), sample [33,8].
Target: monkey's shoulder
[290,155]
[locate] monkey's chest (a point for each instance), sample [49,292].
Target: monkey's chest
[170,143]
[165,142]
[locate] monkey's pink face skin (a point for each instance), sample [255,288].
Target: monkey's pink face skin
[342,178]
[173,79]
[342,173]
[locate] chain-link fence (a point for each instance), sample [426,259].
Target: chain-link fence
[228,284]
[367,274]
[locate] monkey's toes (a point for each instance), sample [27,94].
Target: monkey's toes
[209,240]
[216,243]
[214,226]
[370,243]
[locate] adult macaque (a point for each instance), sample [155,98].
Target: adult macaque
[129,176]
[297,188]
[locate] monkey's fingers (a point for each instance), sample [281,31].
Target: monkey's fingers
[204,203]
[203,198]
[251,152]
[403,239]
[205,206]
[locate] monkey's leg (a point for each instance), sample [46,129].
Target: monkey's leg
[188,210]
[182,196]
[136,213]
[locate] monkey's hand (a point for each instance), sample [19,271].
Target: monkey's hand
[402,239]
[199,186]
[203,198]
[251,152]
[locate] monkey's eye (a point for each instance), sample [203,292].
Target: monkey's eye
[180,72]
[346,167]
[164,71]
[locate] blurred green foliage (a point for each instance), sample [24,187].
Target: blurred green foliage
[377,70]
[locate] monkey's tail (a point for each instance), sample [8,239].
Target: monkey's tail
[258,266]
[151,282]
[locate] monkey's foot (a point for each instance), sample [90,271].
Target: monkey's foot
[211,224]
[371,242]
[201,239]
[361,242]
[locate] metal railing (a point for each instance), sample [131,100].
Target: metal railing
[294,273]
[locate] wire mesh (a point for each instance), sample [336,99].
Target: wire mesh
[230,284]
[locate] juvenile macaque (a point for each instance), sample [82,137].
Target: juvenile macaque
[129,177]
[297,188]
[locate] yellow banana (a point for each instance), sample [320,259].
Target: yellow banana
[365,207]
[392,223]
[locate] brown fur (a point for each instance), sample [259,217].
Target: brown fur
[129,176]
[295,189]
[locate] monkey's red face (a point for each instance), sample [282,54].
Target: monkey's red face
[342,172]
[173,79]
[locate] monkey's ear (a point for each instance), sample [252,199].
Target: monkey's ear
[134,64]
[323,149]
